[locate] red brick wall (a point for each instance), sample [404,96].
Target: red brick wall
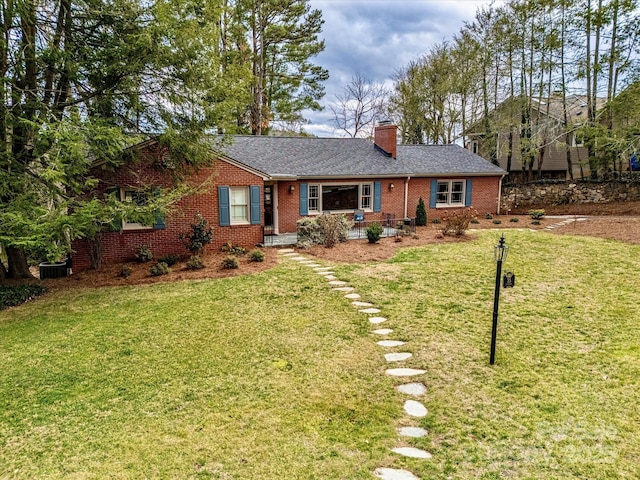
[122,246]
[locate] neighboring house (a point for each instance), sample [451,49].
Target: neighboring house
[550,137]
[263,185]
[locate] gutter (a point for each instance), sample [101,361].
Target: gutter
[500,194]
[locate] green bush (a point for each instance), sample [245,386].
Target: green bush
[229,263]
[125,272]
[144,253]
[200,236]
[256,255]
[233,249]
[421,213]
[474,221]
[514,220]
[324,230]
[535,222]
[195,263]
[536,214]
[169,259]
[374,231]
[488,216]
[436,220]
[11,296]
[159,268]
[497,222]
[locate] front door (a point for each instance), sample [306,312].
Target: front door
[268,209]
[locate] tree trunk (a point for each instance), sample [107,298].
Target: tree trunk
[17,260]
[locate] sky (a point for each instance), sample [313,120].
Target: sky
[376,38]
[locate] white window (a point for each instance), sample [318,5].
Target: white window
[140,198]
[450,193]
[474,146]
[239,204]
[314,198]
[365,196]
[340,197]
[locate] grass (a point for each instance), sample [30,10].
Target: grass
[274,376]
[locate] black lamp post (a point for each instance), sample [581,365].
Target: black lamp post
[500,254]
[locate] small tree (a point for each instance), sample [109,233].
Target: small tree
[421,213]
[374,232]
[200,236]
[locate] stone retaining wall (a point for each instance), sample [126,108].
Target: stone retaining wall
[569,192]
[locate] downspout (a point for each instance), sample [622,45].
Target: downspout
[406,196]
[500,193]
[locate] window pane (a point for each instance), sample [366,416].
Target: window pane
[239,212]
[313,204]
[340,197]
[313,191]
[366,202]
[366,189]
[239,196]
[457,187]
[443,187]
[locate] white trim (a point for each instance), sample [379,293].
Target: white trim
[450,192]
[247,196]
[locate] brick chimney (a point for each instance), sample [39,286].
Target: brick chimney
[385,137]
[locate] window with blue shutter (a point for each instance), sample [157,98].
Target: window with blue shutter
[377,196]
[304,199]
[254,200]
[224,207]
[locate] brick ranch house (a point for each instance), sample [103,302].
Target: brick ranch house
[261,184]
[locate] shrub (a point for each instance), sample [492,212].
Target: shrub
[436,220]
[535,222]
[200,236]
[374,231]
[421,214]
[324,230]
[229,263]
[125,272]
[11,296]
[474,221]
[169,259]
[497,222]
[488,216]
[514,220]
[456,222]
[144,253]
[195,263]
[256,255]
[233,249]
[159,268]
[536,214]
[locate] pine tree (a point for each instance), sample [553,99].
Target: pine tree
[421,214]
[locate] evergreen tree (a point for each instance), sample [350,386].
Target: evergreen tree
[421,214]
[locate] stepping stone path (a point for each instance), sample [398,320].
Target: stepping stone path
[412,408]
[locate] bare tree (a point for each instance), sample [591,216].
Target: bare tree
[360,105]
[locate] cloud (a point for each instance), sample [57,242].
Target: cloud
[376,38]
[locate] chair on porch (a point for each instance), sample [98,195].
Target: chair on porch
[358,216]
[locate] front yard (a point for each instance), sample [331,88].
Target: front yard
[275,376]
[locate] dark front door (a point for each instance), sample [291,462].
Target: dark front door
[268,209]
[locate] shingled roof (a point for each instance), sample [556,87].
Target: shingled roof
[307,157]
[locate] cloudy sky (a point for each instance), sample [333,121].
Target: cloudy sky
[375,38]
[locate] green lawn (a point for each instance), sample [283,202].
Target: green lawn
[275,376]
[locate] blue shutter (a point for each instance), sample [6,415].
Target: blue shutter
[467,193]
[254,195]
[433,195]
[377,196]
[224,206]
[158,223]
[304,199]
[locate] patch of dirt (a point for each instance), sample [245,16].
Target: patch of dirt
[619,221]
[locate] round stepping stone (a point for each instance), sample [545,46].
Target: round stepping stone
[383,331]
[330,278]
[370,310]
[390,343]
[352,295]
[394,474]
[404,372]
[376,320]
[362,304]
[415,409]
[344,289]
[397,357]
[411,452]
[414,432]
[415,388]
[337,282]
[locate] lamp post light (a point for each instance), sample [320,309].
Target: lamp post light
[500,255]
